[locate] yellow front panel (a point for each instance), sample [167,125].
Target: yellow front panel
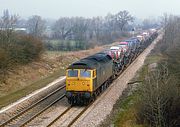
[79,84]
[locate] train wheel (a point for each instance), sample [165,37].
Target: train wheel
[70,101]
[93,97]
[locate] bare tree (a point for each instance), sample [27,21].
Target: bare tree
[91,31]
[79,31]
[149,23]
[7,25]
[97,26]
[159,92]
[36,26]
[79,28]
[123,18]
[62,28]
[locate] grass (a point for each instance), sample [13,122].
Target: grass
[124,113]
[17,87]
[12,97]
[13,94]
[62,41]
[153,58]
[66,45]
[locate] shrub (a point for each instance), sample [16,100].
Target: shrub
[159,99]
[28,49]
[17,49]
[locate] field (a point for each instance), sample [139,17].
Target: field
[65,45]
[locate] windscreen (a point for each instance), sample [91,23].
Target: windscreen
[85,73]
[72,73]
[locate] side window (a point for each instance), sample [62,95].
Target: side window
[85,73]
[94,73]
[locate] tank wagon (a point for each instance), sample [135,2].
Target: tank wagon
[88,77]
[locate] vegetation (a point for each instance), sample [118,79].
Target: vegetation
[65,45]
[125,111]
[89,32]
[156,101]
[14,48]
[12,96]
[160,99]
[36,26]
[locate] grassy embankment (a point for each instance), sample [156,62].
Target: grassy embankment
[21,84]
[28,78]
[15,95]
[125,110]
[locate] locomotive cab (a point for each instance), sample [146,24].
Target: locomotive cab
[79,79]
[79,83]
[85,77]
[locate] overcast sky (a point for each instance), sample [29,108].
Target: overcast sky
[89,8]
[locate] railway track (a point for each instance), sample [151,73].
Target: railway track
[71,114]
[67,118]
[28,114]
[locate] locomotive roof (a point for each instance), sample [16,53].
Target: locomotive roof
[91,62]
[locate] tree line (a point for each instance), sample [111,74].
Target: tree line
[92,31]
[75,33]
[21,47]
[85,32]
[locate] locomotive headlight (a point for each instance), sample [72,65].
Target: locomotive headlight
[83,83]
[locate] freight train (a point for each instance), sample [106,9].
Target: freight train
[88,77]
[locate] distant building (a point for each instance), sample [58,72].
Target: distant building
[18,30]
[21,30]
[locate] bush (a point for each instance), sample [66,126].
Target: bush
[17,49]
[159,99]
[28,49]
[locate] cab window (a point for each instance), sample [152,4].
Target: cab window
[72,73]
[94,73]
[85,73]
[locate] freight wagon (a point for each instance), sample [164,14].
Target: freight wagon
[88,77]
